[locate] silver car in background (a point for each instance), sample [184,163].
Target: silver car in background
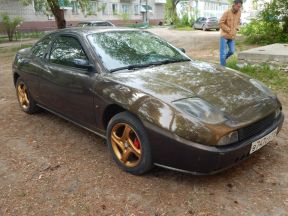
[94,23]
[206,23]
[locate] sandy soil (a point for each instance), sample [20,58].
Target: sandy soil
[49,166]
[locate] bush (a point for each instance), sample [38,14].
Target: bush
[263,32]
[270,25]
[10,25]
[185,22]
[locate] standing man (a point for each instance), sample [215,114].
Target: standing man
[229,24]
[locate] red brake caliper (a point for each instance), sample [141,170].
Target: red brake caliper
[136,143]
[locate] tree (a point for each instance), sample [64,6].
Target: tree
[271,24]
[56,7]
[10,25]
[275,11]
[170,11]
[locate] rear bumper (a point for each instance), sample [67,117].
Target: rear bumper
[175,153]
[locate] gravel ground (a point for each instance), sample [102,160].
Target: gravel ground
[49,166]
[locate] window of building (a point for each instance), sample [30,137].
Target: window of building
[114,9]
[93,7]
[38,6]
[75,7]
[104,9]
[65,50]
[125,8]
[136,9]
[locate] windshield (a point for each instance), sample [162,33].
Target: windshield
[129,49]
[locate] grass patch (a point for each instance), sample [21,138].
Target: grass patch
[184,28]
[22,35]
[35,34]
[10,51]
[272,77]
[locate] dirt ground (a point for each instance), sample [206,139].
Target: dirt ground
[49,166]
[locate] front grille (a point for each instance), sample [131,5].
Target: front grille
[256,128]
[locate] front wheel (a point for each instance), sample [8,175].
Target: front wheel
[128,143]
[26,101]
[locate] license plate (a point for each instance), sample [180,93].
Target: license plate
[263,141]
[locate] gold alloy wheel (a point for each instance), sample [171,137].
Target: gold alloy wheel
[23,95]
[126,144]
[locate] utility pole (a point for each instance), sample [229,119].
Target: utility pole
[146,12]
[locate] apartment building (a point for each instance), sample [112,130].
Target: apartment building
[116,11]
[203,8]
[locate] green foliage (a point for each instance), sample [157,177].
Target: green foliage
[271,25]
[124,16]
[273,78]
[185,20]
[263,32]
[170,12]
[10,25]
[34,34]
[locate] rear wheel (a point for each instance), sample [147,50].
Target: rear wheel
[128,143]
[26,101]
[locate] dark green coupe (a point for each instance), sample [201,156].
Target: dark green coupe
[153,104]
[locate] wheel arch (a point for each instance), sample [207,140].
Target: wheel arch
[110,111]
[15,78]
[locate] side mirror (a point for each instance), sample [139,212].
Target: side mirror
[182,50]
[84,64]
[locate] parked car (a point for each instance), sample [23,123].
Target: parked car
[152,103]
[206,23]
[95,23]
[246,20]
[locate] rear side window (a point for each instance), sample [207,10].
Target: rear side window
[102,24]
[65,50]
[212,19]
[40,47]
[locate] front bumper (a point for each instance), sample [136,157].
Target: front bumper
[173,152]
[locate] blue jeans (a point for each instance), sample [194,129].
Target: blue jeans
[223,49]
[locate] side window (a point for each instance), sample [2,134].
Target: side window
[101,24]
[40,47]
[65,50]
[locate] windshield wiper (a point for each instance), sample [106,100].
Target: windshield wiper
[168,61]
[136,66]
[131,67]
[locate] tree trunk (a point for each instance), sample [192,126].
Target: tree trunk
[58,13]
[285,25]
[10,34]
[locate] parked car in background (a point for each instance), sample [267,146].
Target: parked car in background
[246,20]
[95,23]
[206,23]
[153,104]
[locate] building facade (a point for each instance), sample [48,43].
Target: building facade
[118,12]
[202,8]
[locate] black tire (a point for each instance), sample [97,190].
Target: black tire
[117,125]
[217,29]
[29,106]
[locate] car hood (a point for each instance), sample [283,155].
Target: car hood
[231,92]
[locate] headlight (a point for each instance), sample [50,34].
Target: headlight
[200,109]
[229,138]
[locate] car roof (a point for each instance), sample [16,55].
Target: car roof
[91,30]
